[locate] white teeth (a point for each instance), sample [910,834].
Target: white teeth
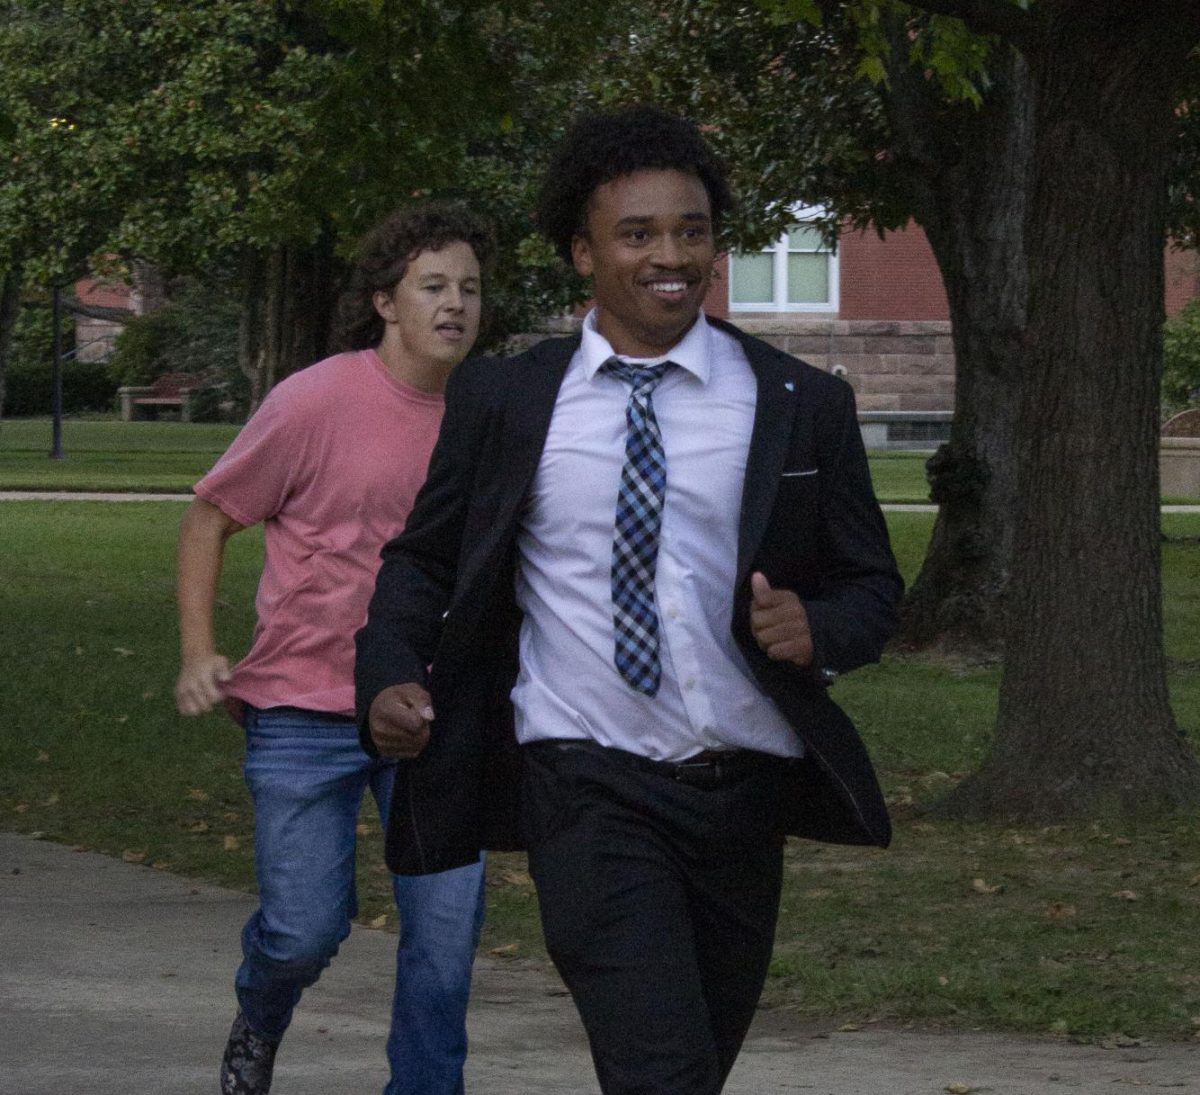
[669,286]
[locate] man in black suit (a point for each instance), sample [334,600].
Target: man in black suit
[641,556]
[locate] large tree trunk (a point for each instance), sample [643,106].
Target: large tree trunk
[288,302]
[308,304]
[10,309]
[1084,724]
[971,188]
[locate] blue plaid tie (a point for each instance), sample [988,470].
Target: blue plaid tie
[639,519]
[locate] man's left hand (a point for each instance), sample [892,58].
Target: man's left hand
[779,623]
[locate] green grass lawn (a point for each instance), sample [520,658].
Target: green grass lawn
[107,455]
[1080,930]
[168,457]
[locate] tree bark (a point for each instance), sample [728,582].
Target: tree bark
[288,302]
[10,309]
[970,173]
[310,293]
[1084,725]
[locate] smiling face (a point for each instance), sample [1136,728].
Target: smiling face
[648,247]
[431,317]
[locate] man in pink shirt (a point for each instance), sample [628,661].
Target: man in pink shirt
[331,463]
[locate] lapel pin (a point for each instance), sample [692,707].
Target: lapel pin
[791,387]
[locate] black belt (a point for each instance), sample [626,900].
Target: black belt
[711,768]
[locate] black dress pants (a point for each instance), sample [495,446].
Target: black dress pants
[658,901]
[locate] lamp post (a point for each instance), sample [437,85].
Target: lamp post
[56,400]
[61,125]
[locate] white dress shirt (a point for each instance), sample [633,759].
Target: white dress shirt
[568,685]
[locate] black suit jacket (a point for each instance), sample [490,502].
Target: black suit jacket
[444,598]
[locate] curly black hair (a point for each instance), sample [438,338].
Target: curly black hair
[384,255]
[600,147]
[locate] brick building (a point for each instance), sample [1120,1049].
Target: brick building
[876,309]
[107,303]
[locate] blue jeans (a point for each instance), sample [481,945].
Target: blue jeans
[307,773]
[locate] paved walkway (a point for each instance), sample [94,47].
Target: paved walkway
[96,496]
[115,980]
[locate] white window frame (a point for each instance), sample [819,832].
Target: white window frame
[779,250]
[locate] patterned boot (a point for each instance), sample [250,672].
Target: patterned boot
[248,1062]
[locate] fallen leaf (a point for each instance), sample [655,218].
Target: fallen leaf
[232,815]
[1125,895]
[196,794]
[1122,841]
[132,855]
[198,827]
[1060,910]
[378,922]
[78,651]
[232,843]
[943,980]
[42,756]
[849,1028]
[21,807]
[981,886]
[508,950]
[121,718]
[162,864]
[124,651]
[960,1089]
[52,800]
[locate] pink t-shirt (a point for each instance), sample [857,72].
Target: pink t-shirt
[331,462]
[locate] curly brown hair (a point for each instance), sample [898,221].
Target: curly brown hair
[384,255]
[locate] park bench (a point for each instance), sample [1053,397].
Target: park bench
[1179,455]
[171,391]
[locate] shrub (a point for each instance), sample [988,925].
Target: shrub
[225,401]
[29,387]
[1181,357]
[141,350]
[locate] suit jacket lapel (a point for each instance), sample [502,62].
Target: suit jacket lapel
[770,441]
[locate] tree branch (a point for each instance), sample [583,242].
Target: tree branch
[999,17]
[97,311]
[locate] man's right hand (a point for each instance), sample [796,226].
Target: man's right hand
[399,720]
[199,687]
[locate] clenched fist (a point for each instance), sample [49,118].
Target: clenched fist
[399,720]
[779,623]
[200,686]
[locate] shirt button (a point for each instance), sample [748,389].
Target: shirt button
[690,682]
